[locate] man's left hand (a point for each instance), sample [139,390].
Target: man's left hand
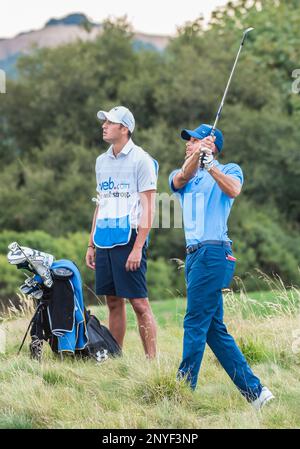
[134,260]
[208,160]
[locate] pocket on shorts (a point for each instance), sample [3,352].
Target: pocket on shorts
[230,263]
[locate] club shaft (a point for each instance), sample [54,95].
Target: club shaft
[26,257]
[212,133]
[226,90]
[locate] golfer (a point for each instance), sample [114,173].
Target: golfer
[126,184]
[206,196]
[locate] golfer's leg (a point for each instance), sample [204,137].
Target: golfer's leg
[147,325]
[117,317]
[231,358]
[202,303]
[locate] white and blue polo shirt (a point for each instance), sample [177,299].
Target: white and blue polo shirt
[205,206]
[120,180]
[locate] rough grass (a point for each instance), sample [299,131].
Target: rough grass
[132,392]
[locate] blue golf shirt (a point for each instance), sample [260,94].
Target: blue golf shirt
[205,206]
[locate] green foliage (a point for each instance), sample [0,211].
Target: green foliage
[161,387]
[263,241]
[10,279]
[163,279]
[72,247]
[50,137]
[254,350]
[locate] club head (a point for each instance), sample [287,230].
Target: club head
[248,30]
[245,34]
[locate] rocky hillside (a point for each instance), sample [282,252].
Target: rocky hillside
[62,31]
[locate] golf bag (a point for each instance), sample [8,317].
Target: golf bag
[60,317]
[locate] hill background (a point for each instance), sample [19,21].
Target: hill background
[56,32]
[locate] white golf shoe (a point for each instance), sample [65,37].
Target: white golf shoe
[264,397]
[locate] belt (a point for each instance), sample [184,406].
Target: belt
[192,248]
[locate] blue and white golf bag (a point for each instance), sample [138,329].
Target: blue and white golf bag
[60,317]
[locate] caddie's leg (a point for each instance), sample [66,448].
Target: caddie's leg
[117,317]
[147,325]
[231,358]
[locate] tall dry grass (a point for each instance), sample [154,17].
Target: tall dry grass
[132,392]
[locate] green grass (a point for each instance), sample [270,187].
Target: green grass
[131,392]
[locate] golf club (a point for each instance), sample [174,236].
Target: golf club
[226,89]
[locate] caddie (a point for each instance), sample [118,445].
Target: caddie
[206,196]
[126,184]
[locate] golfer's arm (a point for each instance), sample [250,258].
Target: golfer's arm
[148,210]
[187,171]
[91,241]
[232,187]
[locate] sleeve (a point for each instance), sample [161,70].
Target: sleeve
[147,174]
[171,184]
[235,171]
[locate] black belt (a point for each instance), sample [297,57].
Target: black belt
[192,248]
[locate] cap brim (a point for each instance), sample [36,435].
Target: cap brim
[186,134]
[103,115]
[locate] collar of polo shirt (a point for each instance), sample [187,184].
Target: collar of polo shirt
[125,150]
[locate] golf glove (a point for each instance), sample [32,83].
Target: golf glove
[208,160]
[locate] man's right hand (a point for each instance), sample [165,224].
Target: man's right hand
[191,148]
[90,258]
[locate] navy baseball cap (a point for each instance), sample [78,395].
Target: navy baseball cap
[203,131]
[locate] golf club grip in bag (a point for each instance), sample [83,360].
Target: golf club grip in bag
[100,338]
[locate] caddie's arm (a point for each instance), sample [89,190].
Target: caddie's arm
[229,185]
[188,170]
[90,254]
[147,199]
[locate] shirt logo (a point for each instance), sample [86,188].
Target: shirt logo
[110,185]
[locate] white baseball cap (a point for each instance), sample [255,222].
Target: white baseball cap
[119,114]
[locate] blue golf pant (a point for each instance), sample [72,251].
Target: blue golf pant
[208,270]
